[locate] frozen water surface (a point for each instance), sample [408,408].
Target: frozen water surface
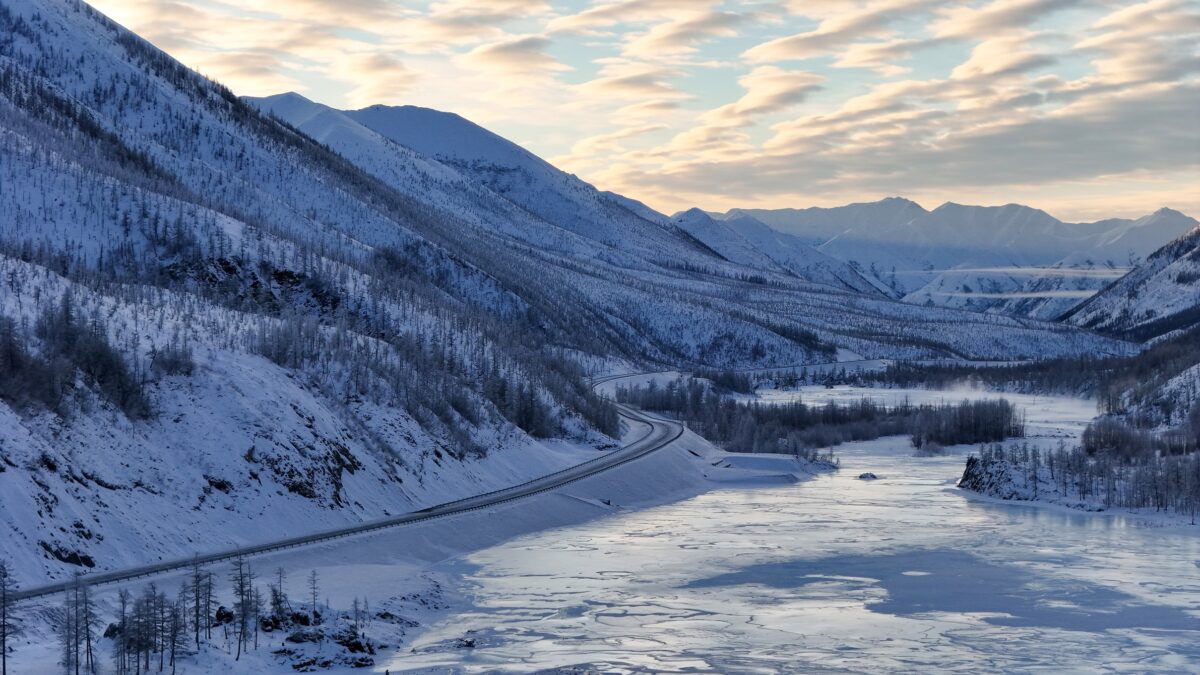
[904,573]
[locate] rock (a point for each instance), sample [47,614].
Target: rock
[867,476]
[989,478]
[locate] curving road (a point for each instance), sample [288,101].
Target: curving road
[662,432]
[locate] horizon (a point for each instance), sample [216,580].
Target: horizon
[1080,108]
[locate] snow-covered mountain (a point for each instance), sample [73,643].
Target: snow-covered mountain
[747,241]
[1159,296]
[219,325]
[523,178]
[1010,259]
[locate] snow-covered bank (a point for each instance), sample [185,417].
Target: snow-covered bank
[1166,495]
[391,568]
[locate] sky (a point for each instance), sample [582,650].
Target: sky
[1085,108]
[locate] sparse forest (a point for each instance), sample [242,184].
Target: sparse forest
[156,631]
[798,428]
[1123,478]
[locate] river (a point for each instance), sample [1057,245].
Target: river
[834,574]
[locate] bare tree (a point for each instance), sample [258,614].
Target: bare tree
[239,579]
[121,642]
[68,631]
[196,590]
[8,625]
[313,589]
[177,631]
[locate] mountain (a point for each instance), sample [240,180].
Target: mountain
[818,225]
[1160,295]
[225,317]
[1009,259]
[523,178]
[747,241]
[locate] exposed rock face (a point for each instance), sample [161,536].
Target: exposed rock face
[988,477]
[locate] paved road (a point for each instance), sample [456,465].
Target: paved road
[661,432]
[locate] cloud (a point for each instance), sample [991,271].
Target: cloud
[996,17]
[625,79]
[683,101]
[882,56]
[383,78]
[680,34]
[603,14]
[604,143]
[1001,57]
[838,30]
[521,56]
[769,89]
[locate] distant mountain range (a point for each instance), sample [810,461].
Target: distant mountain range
[1010,259]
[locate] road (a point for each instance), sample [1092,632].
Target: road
[661,432]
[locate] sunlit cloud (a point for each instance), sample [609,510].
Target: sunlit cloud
[1082,106]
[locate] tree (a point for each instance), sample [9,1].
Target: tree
[70,633]
[199,587]
[121,643]
[177,631]
[240,579]
[279,599]
[8,625]
[257,606]
[312,590]
[88,624]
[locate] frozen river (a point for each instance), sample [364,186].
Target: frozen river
[904,573]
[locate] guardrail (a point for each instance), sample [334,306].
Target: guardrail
[666,430]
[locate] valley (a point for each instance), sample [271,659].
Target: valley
[389,354]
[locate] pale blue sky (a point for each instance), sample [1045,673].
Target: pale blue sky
[1083,107]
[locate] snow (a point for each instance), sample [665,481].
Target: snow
[402,570]
[1166,285]
[900,574]
[483,237]
[1011,259]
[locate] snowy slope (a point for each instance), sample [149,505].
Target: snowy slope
[372,325]
[1160,295]
[1010,259]
[523,178]
[744,240]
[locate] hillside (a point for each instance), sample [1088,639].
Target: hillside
[747,241]
[1159,296]
[218,323]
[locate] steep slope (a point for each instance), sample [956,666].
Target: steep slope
[1160,295]
[525,179]
[718,236]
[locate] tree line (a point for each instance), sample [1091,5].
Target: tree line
[798,428]
[1135,480]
